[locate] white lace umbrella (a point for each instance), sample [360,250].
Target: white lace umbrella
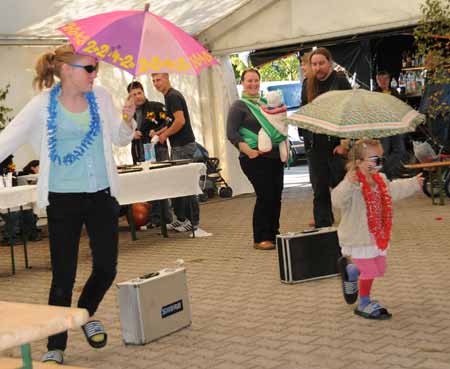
[357,113]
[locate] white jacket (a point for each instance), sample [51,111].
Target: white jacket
[353,229]
[30,126]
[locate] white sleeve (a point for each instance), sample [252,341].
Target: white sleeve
[401,188]
[341,195]
[20,129]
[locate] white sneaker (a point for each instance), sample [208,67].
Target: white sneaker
[200,233]
[172,226]
[185,226]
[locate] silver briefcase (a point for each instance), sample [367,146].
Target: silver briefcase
[154,305]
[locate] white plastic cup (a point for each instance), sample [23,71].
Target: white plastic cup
[155,139]
[8,179]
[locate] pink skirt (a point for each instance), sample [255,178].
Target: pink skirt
[371,268]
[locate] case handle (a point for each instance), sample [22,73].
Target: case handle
[149,275]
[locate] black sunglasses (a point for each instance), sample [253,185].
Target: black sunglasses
[377,160]
[88,68]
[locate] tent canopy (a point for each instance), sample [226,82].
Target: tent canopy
[224,27]
[269,23]
[31,20]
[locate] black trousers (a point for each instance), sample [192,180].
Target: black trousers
[266,176]
[325,170]
[67,212]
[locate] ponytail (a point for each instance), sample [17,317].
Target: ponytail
[49,65]
[44,71]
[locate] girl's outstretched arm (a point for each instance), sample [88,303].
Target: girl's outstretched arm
[401,188]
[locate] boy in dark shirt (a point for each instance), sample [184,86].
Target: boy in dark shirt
[151,117]
[183,146]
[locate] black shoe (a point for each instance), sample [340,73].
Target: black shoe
[34,237]
[5,242]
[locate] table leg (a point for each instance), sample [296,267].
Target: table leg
[191,212]
[441,186]
[162,214]
[25,234]
[9,226]
[431,179]
[26,356]
[131,222]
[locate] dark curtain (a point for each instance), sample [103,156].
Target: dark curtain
[363,54]
[355,57]
[387,53]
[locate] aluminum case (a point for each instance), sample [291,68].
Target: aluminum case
[154,305]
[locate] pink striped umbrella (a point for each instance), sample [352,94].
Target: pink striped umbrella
[139,42]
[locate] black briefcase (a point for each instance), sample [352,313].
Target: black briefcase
[308,255]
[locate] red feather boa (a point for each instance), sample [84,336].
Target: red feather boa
[379,222]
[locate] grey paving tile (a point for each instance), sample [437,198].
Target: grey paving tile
[244,318]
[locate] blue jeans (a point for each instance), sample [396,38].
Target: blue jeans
[182,206]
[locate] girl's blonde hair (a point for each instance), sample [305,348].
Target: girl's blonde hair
[49,65]
[359,149]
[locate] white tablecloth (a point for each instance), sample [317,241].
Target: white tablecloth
[163,183]
[147,185]
[12,197]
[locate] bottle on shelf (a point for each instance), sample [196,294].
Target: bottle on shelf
[404,59]
[413,83]
[402,84]
[394,83]
[408,60]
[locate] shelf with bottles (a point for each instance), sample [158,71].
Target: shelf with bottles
[410,59]
[411,82]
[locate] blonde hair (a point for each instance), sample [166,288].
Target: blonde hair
[166,75]
[359,151]
[305,59]
[49,65]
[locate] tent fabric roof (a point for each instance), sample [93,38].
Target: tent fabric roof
[31,19]
[224,26]
[268,23]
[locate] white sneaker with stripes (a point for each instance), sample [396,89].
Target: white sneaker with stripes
[173,225]
[185,226]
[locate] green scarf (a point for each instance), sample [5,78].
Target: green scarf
[258,99]
[250,137]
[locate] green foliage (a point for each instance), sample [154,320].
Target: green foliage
[432,37]
[4,110]
[238,66]
[285,69]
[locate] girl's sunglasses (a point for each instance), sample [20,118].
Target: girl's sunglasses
[88,68]
[377,160]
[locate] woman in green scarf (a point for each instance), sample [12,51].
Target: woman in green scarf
[264,170]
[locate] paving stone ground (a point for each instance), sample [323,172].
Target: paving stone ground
[244,318]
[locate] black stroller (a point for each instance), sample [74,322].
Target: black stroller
[212,183]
